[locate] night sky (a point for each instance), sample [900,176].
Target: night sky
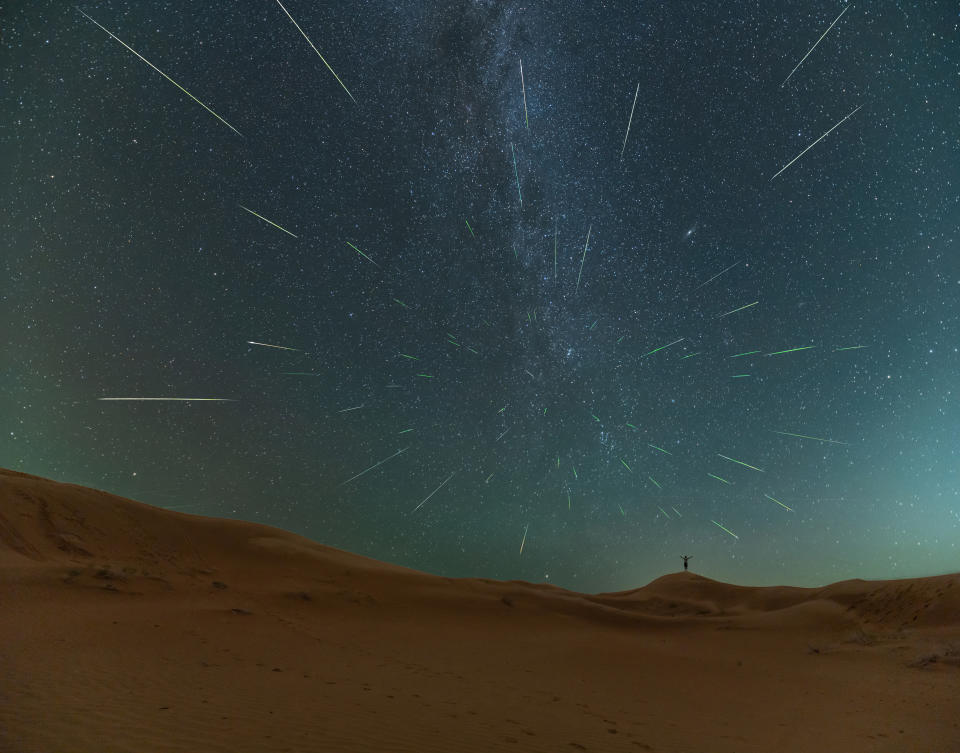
[470,385]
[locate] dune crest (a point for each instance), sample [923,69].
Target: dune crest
[152,629]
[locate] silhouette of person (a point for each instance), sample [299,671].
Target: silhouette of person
[685,558]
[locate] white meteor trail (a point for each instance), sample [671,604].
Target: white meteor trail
[715,277]
[174,399]
[584,256]
[162,74]
[316,51]
[524,88]
[374,466]
[268,345]
[815,143]
[433,492]
[523,541]
[269,222]
[630,120]
[815,44]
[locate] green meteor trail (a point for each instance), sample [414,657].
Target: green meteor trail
[739,376]
[621,510]
[401,303]
[683,358]
[778,502]
[663,346]
[654,481]
[658,448]
[362,254]
[804,436]
[625,465]
[745,465]
[739,309]
[317,51]
[664,512]
[852,347]
[412,358]
[426,376]
[676,511]
[632,426]
[748,353]
[718,478]
[114,36]
[470,228]
[791,350]
[574,471]
[487,480]
[269,222]
[725,529]
[404,431]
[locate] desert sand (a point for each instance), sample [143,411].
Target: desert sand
[125,627]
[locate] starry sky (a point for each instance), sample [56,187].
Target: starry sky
[517,339]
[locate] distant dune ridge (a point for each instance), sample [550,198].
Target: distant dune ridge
[125,627]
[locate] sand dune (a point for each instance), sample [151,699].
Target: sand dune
[124,627]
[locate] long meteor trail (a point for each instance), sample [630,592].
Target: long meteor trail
[524,88]
[162,74]
[815,44]
[269,222]
[725,529]
[584,255]
[629,121]
[374,466]
[172,399]
[804,436]
[362,254]
[517,174]
[433,492]
[715,276]
[816,142]
[316,51]
[523,541]
[268,345]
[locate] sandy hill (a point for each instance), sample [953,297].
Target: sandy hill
[128,627]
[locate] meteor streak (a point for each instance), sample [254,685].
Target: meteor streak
[778,502]
[739,309]
[268,345]
[658,448]
[815,44]
[625,465]
[715,276]
[316,51]
[747,353]
[470,228]
[654,481]
[177,399]
[718,478]
[346,410]
[362,254]
[725,529]
[374,466]
[629,121]
[804,436]
[164,75]
[522,86]
[270,222]
[523,541]
[584,255]
[433,492]
[815,142]
[663,346]
[517,174]
[791,350]
[745,465]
